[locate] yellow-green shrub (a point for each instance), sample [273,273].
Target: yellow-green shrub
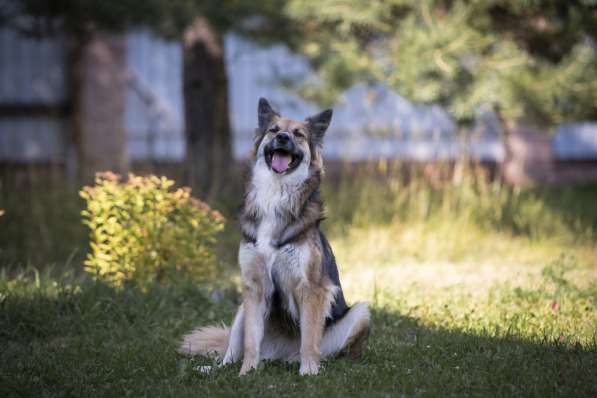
[143,230]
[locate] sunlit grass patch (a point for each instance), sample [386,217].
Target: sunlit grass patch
[396,244]
[404,215]
[558,304]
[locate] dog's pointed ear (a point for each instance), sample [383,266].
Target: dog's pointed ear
[318,124]
[265,113]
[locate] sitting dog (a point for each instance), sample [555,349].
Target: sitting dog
[293,306]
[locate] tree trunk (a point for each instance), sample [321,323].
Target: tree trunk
[209,160]
[98,95]
[529,157]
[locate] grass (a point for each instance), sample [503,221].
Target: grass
[461,219]
[67,336]
[41,224]
[476,289]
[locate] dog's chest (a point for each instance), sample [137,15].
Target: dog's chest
[274,198]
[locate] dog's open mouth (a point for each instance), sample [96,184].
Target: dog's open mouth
[282,161]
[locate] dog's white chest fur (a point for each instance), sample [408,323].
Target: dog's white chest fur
[275,195]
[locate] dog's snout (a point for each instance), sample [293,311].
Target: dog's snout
[282,138]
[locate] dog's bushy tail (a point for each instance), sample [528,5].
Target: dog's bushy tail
[207,341]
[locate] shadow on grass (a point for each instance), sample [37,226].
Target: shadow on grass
[90,340]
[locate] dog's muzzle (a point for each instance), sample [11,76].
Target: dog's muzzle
[282,155]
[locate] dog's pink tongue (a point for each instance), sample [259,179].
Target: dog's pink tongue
[280,162]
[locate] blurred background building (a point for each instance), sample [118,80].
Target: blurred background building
[371,122]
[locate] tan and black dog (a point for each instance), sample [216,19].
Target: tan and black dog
[293,306]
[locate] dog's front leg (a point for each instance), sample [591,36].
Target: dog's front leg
[235,339]
[312,323]
[254,304]
[255,311]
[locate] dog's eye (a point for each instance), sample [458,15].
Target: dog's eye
[274,129]
[298,133]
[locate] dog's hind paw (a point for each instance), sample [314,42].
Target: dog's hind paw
[359,344]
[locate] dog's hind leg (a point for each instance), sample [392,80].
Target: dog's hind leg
[350,332]
[235,341]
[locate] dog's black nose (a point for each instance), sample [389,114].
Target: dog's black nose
[283,138]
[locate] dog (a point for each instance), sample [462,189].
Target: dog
[293,306]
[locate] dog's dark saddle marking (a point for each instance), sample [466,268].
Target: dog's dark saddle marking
[339,307]
[280,316]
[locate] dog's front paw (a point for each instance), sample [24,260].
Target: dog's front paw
[309,367]
[228,359]
[247,367]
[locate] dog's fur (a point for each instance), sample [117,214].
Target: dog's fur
[293,306]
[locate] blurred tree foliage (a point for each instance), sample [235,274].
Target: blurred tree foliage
[531,58]
[264,21]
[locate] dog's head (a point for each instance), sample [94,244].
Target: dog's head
[287,145]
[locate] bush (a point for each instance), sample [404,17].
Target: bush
[143,231]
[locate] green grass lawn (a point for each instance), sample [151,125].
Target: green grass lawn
[470,293]
[67,336]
